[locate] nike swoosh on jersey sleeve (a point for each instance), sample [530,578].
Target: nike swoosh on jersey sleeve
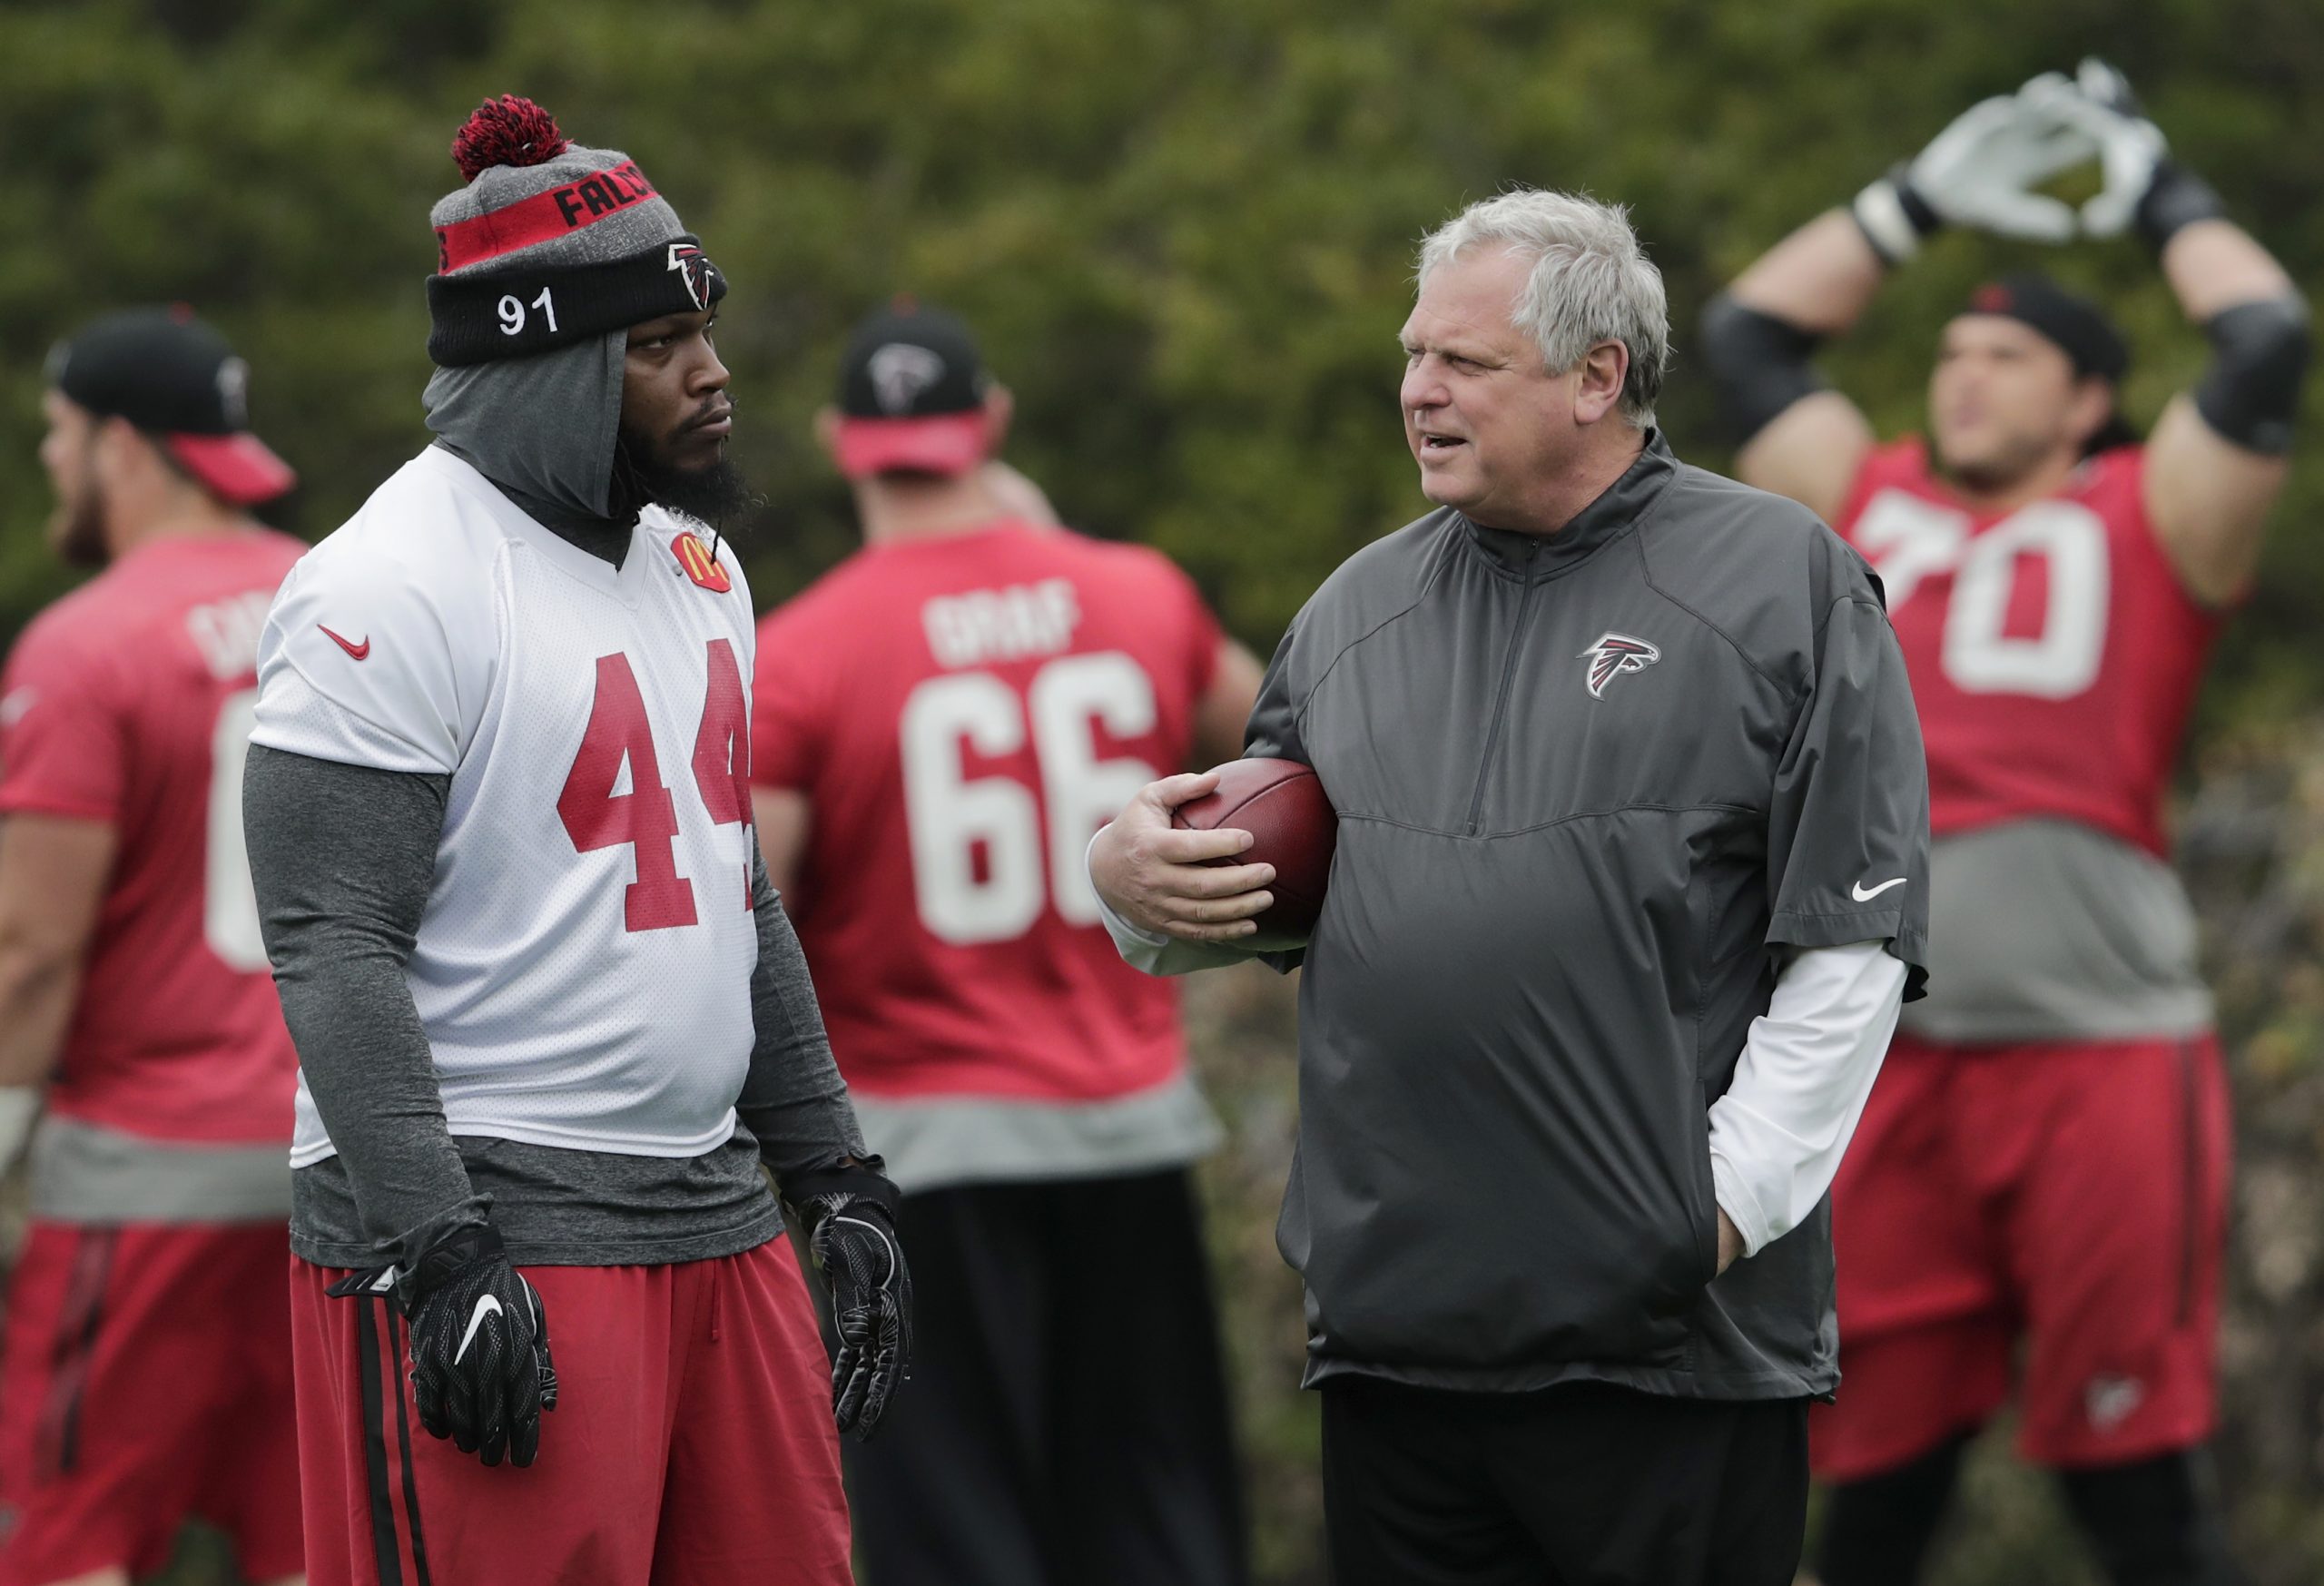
[376,659]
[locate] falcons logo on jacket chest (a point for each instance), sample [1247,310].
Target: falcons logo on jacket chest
[1614,654]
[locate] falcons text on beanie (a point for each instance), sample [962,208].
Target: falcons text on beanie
[551,243]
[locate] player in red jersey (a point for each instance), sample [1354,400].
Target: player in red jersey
[146,1376]
[940,725]
[2044,1157]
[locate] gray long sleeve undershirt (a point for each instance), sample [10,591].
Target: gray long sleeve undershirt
[343,858]
[793,1101]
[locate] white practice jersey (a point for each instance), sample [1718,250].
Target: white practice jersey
[583,968]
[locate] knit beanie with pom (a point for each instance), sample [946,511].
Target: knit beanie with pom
[551,244]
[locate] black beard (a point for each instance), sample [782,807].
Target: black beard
[77,531]
[643,477]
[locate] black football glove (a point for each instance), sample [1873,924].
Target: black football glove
[480,1369]
[850,1216]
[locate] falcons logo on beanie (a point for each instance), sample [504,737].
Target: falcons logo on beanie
[694,268]
[1614,654]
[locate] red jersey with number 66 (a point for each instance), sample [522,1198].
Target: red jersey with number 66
[963,715]
[129,703]
[2055,655]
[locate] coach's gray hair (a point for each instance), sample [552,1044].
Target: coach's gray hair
[1589,282]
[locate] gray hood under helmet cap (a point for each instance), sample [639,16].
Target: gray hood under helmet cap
[540,428]
[544,260]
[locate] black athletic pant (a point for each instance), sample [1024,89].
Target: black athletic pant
[1585,1485]
[2150,1523]
[1066,1422]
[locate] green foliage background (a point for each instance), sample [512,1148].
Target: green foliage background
[1184,233]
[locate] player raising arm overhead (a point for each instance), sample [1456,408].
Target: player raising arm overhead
[2048,1139]
[550,1017]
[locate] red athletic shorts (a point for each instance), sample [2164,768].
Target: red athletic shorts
[691,1444]
[146,1380]
[2072,1195]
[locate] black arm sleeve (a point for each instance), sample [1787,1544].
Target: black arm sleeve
[793,1101]
[343,857]
[1759,364]
[2250,393]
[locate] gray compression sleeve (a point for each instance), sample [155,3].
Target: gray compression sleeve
[794,1100]
[343,857]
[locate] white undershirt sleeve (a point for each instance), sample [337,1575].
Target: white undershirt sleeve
[1808,1066]
[1153,952]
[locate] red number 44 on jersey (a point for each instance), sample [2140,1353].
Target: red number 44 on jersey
[645,818]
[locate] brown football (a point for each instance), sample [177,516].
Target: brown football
[1292,827]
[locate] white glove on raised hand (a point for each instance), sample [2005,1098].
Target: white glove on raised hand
[2130,149]
[1982,169]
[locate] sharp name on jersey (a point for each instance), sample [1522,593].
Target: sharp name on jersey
[2055,655]
[964,713]
[583,968]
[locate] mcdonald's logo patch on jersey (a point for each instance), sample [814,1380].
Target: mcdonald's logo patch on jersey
[700,566]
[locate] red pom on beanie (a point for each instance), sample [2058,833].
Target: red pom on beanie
[507,131]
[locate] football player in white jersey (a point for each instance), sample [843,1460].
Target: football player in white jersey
[550,1017]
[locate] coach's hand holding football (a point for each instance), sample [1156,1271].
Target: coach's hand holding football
[1165,878]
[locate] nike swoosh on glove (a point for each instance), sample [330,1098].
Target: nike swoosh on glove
[480,1368]
[850,1214]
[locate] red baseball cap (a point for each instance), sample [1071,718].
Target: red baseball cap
[942,443]
[176,379]
[911,392]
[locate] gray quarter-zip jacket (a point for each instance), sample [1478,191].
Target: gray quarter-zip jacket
[1590,785]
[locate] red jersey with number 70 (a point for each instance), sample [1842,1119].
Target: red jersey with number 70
[129,703]
[963,715]
[2055,655]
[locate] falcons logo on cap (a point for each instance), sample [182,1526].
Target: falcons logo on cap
[900,371]
[1614,654]
[694,268]
[234,391]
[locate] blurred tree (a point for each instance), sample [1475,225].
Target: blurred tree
[1186,234]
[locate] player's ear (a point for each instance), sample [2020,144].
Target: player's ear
[118,453]
[999,411]
[827,431]
[2093,405]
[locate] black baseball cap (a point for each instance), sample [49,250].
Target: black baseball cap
[2076,325]
[175,377]
[911,390]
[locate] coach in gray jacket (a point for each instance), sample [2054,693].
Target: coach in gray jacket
[1632,880]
